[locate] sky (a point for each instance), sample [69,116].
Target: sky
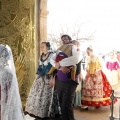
[100,18]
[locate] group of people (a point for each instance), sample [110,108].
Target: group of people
[111,69]
[57,72]
[53,91]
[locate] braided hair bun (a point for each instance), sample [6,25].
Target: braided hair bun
[47,44]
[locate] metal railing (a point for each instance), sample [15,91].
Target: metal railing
[113,97]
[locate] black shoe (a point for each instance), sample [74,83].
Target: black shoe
[97,107]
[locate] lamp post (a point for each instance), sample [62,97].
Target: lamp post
[112,105]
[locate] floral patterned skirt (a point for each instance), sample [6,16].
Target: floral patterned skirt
[43,100]
[39,99]
[96,90]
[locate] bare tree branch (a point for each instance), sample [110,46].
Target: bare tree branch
[75,33]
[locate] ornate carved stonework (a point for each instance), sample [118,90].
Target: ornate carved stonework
[17,30]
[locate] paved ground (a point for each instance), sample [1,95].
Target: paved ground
[102,113]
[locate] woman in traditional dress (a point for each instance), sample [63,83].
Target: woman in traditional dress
[118,58]
[78,93]
[112,66]
[11,107]
[96,89]
[39,99]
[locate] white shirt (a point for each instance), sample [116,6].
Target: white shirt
[72,60]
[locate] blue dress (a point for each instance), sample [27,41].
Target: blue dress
[40,97]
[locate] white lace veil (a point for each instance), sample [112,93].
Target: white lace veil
[12,108]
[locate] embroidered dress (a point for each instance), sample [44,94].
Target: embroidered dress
[118,58]
[96,88]
[118,72]
[112,70]
[40,96]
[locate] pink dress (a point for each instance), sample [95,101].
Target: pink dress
[112,67]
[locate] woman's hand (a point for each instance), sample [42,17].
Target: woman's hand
[87,70]
[37,76]
[80,77]
[52,82]
[97,72]
[78,88]
[57,65]
[65,69]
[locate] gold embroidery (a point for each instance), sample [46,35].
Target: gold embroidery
[95,99]
[67,49]
[93,63]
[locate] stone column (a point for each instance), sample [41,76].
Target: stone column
[37,30]
[41,23]
[43,20]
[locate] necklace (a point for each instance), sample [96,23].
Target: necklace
[45,54]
